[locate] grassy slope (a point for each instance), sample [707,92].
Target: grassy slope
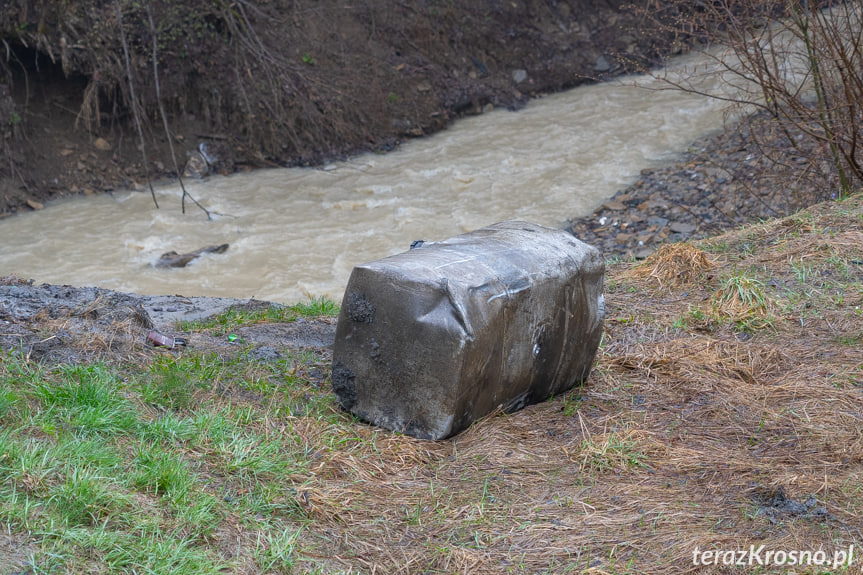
[729,386]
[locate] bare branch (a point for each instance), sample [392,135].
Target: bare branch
[165,118]
[803,65]
[134,101]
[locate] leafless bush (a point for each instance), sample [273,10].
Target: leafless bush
[800,62]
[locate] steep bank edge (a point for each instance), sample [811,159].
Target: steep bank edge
[291,86]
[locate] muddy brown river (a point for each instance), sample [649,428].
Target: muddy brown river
[298,232]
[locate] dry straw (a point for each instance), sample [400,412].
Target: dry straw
[674,264]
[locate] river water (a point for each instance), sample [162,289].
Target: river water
[297,232]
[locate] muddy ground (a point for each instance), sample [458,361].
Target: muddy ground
[64,324]
[275,83]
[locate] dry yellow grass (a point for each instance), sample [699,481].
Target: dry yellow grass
[670,446]
[673,265]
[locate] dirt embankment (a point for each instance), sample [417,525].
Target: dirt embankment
[274,82]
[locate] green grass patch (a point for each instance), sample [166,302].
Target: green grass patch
[162,472]
[86,399]
[170,384]
[235,317]
[170,427]
[116,469]
[11,402]
[87,497]
[275,551]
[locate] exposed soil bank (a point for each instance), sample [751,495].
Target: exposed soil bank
[88,323]
[276,82]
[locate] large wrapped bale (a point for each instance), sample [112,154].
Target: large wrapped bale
[432,339]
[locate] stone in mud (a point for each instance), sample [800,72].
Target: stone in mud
[614,205]
[681,227]
[623,238]
[602,65]
[197,167]
[432,339]
[101,144]
[657,221]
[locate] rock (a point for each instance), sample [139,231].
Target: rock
[174,260]
[519,76]
[681,227]
[657,221]
[642,253]
[614,205]
[197,166]
[432,339]
[653,204]
[602,65]
[623,238]
[101,144]
[720,174]
[34,205]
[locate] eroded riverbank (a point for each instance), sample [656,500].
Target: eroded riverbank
[298,232]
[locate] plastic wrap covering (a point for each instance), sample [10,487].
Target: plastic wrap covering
[434,338]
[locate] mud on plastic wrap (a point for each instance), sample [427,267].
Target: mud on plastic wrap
[434,338]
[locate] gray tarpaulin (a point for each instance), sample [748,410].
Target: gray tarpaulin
[434,338]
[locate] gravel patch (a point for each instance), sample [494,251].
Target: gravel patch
[723,181]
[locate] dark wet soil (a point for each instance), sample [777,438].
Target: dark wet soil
[63,324]
[776,505]
[296,84]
